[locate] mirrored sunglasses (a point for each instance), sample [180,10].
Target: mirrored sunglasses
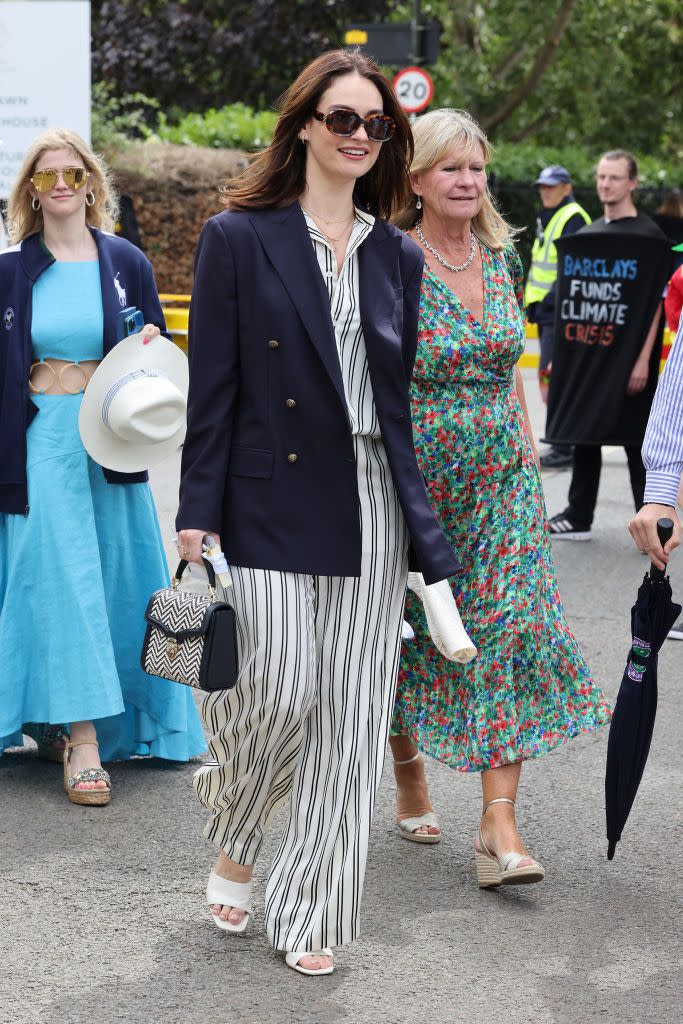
[45,180]
[378,127]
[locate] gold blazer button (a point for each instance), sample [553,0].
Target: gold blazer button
[273,343]
[290,403]
[292,458]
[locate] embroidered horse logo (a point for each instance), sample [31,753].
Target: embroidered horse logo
[8,318]
[120,290]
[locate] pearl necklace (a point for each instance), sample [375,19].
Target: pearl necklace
[449,266]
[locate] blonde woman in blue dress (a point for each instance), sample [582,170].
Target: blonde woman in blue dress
[80,546]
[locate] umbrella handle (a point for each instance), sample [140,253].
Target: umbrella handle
[665,529]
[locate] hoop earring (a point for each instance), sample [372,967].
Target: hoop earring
[90,199]
[418,204]
[35,204]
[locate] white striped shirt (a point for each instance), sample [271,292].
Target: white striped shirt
[663,444]
[343,291]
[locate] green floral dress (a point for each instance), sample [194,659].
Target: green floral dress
[529,688]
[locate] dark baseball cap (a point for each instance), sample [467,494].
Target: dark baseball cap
[554,175]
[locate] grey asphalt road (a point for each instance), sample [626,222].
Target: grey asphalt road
[103,916]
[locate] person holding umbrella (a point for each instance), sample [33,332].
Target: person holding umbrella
[663,460]
[299,461]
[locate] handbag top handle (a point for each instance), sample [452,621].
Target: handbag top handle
[210,572]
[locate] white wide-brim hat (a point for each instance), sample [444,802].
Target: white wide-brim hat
[133,412]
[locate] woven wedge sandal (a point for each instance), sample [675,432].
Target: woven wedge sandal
[90,797]
[236,895]
[416,810]
[506,869]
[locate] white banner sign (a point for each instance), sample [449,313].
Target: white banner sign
[44,75]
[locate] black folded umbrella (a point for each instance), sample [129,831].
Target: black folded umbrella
[630,734]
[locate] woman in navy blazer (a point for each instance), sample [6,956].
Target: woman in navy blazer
[80,548]
[299,457]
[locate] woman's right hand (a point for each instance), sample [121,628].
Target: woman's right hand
[189,544]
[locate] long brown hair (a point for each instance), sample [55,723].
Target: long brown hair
[278,176]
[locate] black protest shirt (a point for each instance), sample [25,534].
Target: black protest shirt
[641,224]
[610,280]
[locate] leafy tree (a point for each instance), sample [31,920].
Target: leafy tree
[588,73]
[600,73]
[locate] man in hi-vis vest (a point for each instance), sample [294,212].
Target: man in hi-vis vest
[560,215]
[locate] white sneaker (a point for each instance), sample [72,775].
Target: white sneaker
[676,631]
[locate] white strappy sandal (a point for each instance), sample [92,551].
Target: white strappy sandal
[292,960]
[493,871]
[229,894]
[408,823]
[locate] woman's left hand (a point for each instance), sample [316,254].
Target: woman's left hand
[148,332]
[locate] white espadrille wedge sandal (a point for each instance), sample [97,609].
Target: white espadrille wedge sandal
[229,894]
[506,869]
[292,960]
[416,812]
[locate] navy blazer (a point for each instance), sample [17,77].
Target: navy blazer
[275,478]
[126,278]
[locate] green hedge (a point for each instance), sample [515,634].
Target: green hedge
[236,126]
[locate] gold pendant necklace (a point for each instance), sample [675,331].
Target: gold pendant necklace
[337,240]
[325,220]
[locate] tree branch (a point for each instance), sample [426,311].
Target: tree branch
[508,63]
[543,59]
[539,122]
[466,29]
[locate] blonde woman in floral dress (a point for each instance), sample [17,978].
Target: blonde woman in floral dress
[529,688]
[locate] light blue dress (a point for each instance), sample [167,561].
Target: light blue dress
[76,572]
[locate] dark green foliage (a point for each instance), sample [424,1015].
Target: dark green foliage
[195,54]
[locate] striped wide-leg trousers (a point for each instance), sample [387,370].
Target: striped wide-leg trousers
[308,721]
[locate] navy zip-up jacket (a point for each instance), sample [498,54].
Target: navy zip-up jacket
[127,280]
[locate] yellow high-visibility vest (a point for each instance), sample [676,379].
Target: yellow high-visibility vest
[543,269]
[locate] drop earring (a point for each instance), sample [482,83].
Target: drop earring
[35,204]
[418,204]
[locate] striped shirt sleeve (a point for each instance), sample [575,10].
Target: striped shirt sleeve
[663,444]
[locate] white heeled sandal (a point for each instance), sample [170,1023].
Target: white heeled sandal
[505,869]
[408,826]
[229,894]
[292,960]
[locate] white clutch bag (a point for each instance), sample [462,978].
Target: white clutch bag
[443,619]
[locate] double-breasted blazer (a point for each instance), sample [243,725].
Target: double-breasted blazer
[268,461]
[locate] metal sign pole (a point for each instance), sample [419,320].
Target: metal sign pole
[415,33]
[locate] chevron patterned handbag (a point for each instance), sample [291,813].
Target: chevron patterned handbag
[191,638]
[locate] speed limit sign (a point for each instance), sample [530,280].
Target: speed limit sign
[415,89]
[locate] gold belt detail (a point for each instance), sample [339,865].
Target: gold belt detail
[57,382]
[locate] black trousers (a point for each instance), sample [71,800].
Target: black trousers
[583,490]
[546,340]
